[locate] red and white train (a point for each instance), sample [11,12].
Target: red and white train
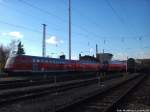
[39,65]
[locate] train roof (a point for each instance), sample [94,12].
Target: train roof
[117,62]
[57,59]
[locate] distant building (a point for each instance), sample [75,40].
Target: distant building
[104,57]
[62,57]
[88,58]
[138,61]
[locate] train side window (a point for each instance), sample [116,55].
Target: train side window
[38,60]
[52,61]
[34,60]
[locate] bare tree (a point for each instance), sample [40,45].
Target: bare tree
[6,51]
[4,54]
[13,47]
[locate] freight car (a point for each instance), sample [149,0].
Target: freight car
[34,65]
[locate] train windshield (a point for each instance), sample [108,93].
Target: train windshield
[10,61]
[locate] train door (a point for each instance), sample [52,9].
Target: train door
[35,67]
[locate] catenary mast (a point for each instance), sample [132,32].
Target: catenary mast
[43,43]
[69,29]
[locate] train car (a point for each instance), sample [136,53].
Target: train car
[23,64]
[117,66]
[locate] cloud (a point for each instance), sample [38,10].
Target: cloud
[14,34]
[74,58]
[54,40]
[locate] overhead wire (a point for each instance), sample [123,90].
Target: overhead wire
[89,21]
[24,13]
[42,10]
[120,18]
[51,14]
[20,26]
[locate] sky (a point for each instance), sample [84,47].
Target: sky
[120,27]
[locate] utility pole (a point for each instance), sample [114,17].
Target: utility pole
[103,51]
[127,65]
[96,48]
[43,43]
[69,29]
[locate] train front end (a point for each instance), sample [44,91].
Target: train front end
[9,66]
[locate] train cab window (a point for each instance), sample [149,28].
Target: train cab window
[11,60]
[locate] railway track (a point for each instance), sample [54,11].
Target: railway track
[17,83]
[24,90]
[105,101]
[139,98]
[23,83]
